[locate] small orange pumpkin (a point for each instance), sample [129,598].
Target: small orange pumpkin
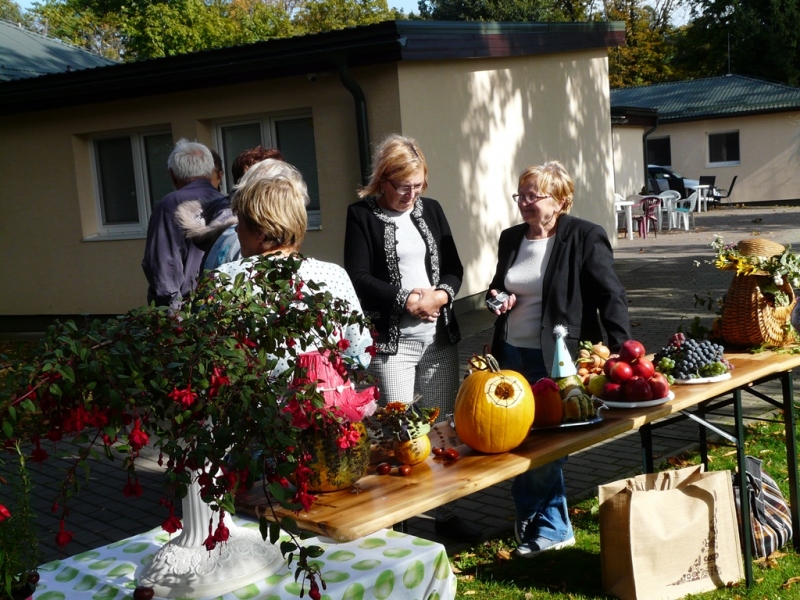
[413,451]
[547,399]
[494,409]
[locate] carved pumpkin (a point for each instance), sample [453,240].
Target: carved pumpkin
[494,408]
[547,399]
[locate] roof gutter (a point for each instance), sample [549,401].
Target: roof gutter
[362,124]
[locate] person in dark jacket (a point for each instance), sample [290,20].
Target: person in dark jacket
[405,268]
[171,261]
[555,270]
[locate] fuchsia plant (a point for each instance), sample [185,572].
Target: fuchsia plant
[201,385]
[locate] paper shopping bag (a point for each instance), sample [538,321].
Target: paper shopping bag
[665,535]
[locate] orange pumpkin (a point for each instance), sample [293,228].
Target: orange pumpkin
[413,451]
[494,409]
[547,399]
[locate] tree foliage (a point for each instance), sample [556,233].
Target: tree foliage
[505,10]
[138,29]
[764,38]
[11,11]
[645,58]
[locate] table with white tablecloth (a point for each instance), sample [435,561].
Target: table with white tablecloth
[386,564]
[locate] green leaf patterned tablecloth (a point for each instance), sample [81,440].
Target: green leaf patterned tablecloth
[386,565]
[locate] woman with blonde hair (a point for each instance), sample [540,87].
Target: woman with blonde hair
[552,269]
[270,203]
[404,265]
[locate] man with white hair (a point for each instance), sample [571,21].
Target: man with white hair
[171,261]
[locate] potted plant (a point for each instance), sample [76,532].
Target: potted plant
[218,387]
[403,430]
[19,546]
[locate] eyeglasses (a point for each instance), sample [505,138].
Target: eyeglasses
[406,189]
[520,198]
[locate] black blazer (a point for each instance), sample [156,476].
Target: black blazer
[579,283]
[370,258]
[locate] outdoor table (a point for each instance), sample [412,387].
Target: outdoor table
[627,206]
[702,197]
[383,501]
[386,564]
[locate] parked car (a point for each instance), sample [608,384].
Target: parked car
[663,175]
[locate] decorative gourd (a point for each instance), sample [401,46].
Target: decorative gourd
[413,451]
[494,409]
[547,400]
[337,469]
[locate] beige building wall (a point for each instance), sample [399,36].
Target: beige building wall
[482,122]
[53,263]
[628,159]
[769,169]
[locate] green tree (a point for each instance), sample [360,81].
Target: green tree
[11,11]
[646,56]
[314,16]
[71,21]
[764,38]
[486,10]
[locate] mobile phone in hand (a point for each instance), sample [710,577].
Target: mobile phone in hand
[497,302]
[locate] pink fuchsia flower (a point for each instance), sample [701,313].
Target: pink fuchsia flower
[4,513]
[137,438]
[349,438]
[343,344]
[132,489]
[222,533]
[171,524]
[184,397]
[63,537]
[39,455]
[218,379]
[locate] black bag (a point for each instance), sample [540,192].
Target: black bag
[770,520]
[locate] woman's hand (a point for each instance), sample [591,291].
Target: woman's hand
[424,303]
[507,305]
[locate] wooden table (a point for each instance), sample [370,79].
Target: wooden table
[386,500]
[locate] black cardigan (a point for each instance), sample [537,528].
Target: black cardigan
[579,282]
[370,258]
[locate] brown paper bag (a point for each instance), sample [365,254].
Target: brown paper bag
[665,535]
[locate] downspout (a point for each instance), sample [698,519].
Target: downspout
[362,126]
[644,152]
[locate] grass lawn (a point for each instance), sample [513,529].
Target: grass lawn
[491,570]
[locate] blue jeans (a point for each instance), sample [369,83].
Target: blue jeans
[539,495]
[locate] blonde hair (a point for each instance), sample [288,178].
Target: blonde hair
[550,178]
[271,198]
[397,157]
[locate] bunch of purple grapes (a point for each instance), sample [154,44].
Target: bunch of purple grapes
[686,358]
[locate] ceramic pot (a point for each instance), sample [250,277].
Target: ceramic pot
[414,451]
[336,469]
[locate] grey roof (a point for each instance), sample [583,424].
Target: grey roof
[387,42]
[711,97]
[25,54]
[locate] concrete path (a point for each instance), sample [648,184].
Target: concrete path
[661,274]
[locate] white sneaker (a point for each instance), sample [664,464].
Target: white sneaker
[539,545]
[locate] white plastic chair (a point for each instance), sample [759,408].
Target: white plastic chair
[668,199]
[684,209]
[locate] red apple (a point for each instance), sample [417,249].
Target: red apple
[659,385]
[609,363]
[620,372]
[612,392]
[631,351]
[643,368]
[637,389]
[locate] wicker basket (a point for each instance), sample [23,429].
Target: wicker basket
[748,318]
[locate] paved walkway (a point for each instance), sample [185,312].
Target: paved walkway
[662,276]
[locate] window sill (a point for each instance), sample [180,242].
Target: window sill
[730,163]
[114,237]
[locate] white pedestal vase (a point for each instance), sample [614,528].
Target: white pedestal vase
[183,568]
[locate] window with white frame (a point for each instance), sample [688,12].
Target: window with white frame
[723,149]
[131,176]
[292,134]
